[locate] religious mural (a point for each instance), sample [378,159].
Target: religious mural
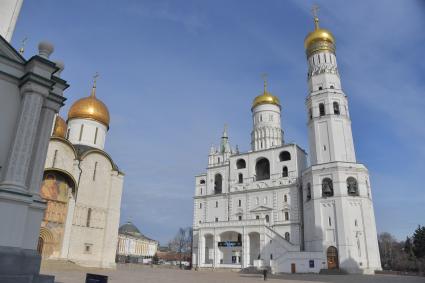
[56,190]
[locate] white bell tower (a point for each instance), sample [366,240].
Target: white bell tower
[338,210]
[329,123]
[9,12]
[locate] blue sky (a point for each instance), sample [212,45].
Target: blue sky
[174,72]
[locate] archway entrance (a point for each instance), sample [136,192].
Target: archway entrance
[332,257]
[230,248]
[40,245]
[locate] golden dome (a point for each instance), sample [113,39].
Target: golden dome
[60,127]
[320,35]
[265,98]
[90,108]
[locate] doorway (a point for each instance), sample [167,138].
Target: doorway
[332,256]
[40,245]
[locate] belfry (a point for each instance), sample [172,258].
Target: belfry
[269,206]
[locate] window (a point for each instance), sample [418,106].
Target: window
[202,182]
[257,217]
[218,180]
[265,200]
[81,132]
[240,217]
[200,205]
[219,160]
[267,218]
[284,156]
[322,109]
[285,171]
[257,200]
[240,178]
[320,88]
[94,171]
[308,191]
[327,187]
[271,256]
[88,217]
[330,222]
[87,248]
[355,222]
[216,204]
[67,133]
[262,169]
[310,113]
[240,164]
[285,198]
[286,215]
[239,203]
[201,191]
[261,118]
[332,87]
[287,237]
[216,219]
[336,108]
[95,135]
[352,187]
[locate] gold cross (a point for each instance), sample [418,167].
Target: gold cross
[264,76]
[314,10]
[22,49]
[96,75]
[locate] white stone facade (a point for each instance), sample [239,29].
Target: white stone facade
[9,12]
[268,204]
[88,235]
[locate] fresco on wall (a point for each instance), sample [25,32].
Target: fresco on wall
[56,190]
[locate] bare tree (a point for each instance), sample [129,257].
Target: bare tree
[182,243]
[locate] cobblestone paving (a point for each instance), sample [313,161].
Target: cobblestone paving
[70,273]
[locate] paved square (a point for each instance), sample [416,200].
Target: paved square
[70,273]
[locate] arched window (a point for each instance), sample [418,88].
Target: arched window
[332,87]
[336,108]
[267,218]
[240,178]
[284,156]
[285,198]
[287,237]
[352,186]
[308,191]
[310,113]
[320,88]
[262,169]
[285,171]
[88,217]
[327,187]
[240,164]
[286,215]
[218,182]
[322,109]
[202,182]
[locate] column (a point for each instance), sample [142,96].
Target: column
[17,166]
[48,112]
[201,250]
[245,248]
[216,251]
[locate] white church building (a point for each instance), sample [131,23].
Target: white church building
[270,206]
[82,186]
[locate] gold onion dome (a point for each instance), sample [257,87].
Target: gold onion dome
[323,37]
[265,98]
[60,127]
[90,108]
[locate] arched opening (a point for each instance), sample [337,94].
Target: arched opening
[284,156]
[287,236]
[262,169]
[332,258]
[202,182]
[327,187]
[322,109]
[230,248]
[240,178]
[285,171]
[218,183]
[332,87]
[240,164]
[352,186]
[285,198]
[267,218]
[336,108]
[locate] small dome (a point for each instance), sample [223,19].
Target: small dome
[265,98]
[60,127]
[129,228]
[90,108]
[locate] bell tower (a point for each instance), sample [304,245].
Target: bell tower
[329,124]
[338,214]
